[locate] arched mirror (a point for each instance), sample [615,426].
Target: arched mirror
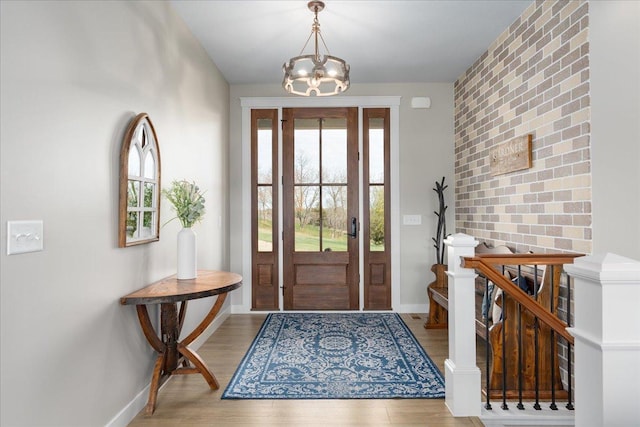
[139,209]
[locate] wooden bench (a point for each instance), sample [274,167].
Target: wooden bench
[438,292]
[545,280]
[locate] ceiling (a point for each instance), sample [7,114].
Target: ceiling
[383,41]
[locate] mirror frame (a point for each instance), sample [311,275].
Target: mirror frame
[142,120]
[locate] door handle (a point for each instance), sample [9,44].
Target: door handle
[354,228]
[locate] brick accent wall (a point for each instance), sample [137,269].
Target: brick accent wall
[534,79]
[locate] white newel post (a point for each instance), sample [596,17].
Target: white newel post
[462,375]
[607,340]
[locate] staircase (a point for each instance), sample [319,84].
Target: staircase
[606,334]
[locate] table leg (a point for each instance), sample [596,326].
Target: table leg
[148,329]
[155,385]
[183,312]
[170,330]
[200,366]
[158,346]
[183,348]
[168,347]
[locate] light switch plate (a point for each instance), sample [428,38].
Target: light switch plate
[24,236]
[412,219]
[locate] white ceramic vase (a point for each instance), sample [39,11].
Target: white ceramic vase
[187,254]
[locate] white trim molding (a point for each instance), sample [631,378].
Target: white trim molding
[607,339]
[248,103]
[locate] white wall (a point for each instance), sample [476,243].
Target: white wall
[614,37]
[73,75]
[426,155]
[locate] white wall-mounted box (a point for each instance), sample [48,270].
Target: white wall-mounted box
[24,236]
[412,219]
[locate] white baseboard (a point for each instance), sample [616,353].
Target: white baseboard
[133,408]
[414,308]
[404,308]
[240,309]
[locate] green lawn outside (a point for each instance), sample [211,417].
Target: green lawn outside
[307,239]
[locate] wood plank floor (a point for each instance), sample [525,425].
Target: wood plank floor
[186,400]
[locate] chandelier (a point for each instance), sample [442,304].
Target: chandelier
[315,74]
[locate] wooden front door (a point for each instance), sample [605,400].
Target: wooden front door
[320,209]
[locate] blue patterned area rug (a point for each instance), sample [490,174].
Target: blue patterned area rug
[335,356]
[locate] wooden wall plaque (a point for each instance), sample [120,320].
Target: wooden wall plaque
[511,156]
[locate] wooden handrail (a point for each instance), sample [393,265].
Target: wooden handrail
[527,259]
[485,264]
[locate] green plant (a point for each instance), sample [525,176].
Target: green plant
[187,201]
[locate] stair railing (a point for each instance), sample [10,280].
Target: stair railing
[533,313]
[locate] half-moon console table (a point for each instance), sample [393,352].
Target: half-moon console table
[171,352]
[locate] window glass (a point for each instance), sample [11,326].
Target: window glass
[149,166]
[306,151]
[133,193]
[134,160]
[147,224]
[265,160]
[376,218]
[334,218]
[376,150]
[132,224]
[265,219]
[307,220]
[334,151]
[148,194]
